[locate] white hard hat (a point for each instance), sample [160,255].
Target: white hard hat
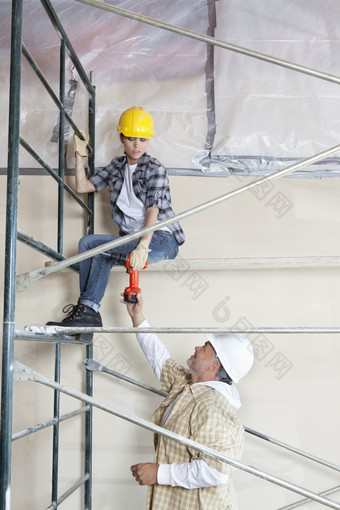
[235,353]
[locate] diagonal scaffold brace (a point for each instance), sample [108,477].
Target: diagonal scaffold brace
[24,280]
[23,373]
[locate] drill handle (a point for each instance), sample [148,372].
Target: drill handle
[130,293]
[129,268]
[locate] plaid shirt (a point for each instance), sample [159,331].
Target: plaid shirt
[150,185]
[203,415]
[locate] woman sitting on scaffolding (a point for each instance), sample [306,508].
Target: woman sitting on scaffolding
[140,197]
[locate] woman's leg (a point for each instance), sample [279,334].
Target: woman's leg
[163,246]
[94,273]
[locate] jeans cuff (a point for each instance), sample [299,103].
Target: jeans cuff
[89,303]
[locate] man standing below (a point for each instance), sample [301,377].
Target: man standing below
[201,406]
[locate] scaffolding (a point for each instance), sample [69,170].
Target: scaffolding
[13,370]
[17,50]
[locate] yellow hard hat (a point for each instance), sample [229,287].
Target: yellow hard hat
[136,122]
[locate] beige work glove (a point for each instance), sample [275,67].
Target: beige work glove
[80,145]
[139,255]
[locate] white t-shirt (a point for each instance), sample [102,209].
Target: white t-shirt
[132,207]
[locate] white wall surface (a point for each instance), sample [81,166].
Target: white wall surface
[297,405]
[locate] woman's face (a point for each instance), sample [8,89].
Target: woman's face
[134,148]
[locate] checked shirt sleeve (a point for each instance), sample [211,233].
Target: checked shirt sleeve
[99,179]
[102,177]
[158,192]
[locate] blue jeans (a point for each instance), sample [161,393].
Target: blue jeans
[94,273]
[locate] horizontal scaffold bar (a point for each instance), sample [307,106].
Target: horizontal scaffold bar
[49,423]
[211,40]
[49,337]
[180,264]
[53,331]
[225,172]
[24,373]
[23,281]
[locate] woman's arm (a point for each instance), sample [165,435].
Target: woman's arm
[83,185]
[139,255]
[150,219]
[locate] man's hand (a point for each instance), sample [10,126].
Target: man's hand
[135,310]
[145,473]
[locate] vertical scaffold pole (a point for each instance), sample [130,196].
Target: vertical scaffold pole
[89,348]
[57,364]
[91,158]
[10,257]
[61,148]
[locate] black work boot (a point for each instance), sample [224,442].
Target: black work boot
[79,316]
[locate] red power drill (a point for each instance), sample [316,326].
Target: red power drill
[130,293]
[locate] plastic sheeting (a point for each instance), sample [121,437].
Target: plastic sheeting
[266,110]
[265,115]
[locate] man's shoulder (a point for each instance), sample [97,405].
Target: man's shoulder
[173,369]
[174,377]
[209,398]
[214,408]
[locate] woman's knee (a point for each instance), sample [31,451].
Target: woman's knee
[84,244]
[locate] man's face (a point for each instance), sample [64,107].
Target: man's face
[203,357]
[134,148]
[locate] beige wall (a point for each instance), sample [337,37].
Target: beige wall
[298,407]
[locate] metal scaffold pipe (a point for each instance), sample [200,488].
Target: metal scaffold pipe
[10,257]
[68,493]
[24,373]
[33,332]
[306,500]
[63,37]
[94,366]
[238,263]
[49,89]
[211,40]
[23,281]
[53,174]
[49,423]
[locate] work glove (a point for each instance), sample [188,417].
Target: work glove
[80,145]
[139,255]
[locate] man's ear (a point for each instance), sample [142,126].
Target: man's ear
[216,365]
